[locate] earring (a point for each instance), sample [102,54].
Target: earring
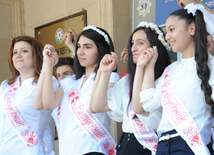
[192,33]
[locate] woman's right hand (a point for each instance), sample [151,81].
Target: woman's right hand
[50,56]
[70,38]
[124,55]
[147,57]
[154,53]
[109,62]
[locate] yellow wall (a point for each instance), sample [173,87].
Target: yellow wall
[6,34]
[21,17]
[51,10]
[113,16]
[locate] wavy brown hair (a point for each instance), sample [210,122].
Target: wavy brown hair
[36,47]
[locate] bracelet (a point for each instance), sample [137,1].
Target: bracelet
[42,71]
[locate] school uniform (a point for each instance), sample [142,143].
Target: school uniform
[17,111]
[74,140]
[186,85]
[118,102]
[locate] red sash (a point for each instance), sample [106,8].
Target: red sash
[22,128]
[143,134]
[180,118]
[59,114]
[90,124]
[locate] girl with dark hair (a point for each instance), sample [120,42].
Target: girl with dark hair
[22,127]
[81,132]
[208,18]
[185,90]
[117,101]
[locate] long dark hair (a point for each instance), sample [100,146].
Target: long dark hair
[102,47]
[201,53]
[37,49]
[163,57]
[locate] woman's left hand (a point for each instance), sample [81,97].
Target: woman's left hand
[109,62]
[50,55]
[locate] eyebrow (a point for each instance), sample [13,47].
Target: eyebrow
[65,72]
[140,40]
[20,48]
[85,44]
[170,26]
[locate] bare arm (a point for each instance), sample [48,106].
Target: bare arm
[97,79]
[144,77]
[70,39]
[37,99]
[183,3]
[50,99]
[149,77]
[206,7]
[110,85]
[138,81]
[98,102]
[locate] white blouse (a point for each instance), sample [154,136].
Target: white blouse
[118,101]
[49,137]
[73,140]
[10,143]
[56,121]
[186,85]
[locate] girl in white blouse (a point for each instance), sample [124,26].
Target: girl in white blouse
[117,101]
[185,90]
[209,20]
[21,126]
[80,131]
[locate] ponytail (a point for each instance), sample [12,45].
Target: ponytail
[201,53]
[201,58]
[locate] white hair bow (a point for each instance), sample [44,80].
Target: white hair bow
[208,17]
[192,8]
